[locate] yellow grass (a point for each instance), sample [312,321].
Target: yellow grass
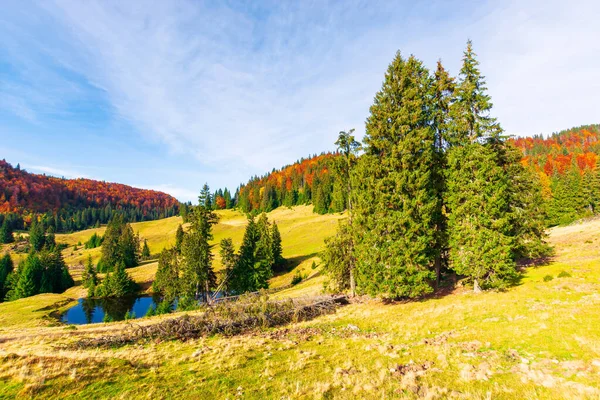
[540,339]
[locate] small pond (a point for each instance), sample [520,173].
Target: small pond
[92,311]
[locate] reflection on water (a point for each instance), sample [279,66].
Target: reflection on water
[91,311]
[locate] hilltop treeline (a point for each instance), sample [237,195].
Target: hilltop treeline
[74,204]
[567,165]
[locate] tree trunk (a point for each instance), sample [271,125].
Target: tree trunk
[438,269]
[476,287]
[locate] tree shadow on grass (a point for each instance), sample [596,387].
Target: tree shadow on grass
[291,263]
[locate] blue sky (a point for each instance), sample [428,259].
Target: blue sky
[171,94]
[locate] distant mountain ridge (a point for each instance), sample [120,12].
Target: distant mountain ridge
[25,194]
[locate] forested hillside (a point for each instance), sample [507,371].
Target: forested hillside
[567,165]
[72,204]
[307,181]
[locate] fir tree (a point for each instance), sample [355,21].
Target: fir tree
[179,238]
[198,274]
[243,274]
[145,250]
[277,251]
[396,191]
[228,260]
[205,199]
[28,278]
[50,240]
[264,258]
[6,232]
[471,107]
[443,99]
[37,238]
[119,244]
[167,280]
[117,284]
[482,185]
[349,148]
[479,223]
[89,278]
[6,269]
[338,258]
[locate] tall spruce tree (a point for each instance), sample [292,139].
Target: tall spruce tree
[145,250]
[470,110]
[37,236]
[395,188]
[243,275]
[205,198]
[348,147]
[443,99]
[277,251]
[479,224]
[481,186]
[264,257]
[89,278]
[198,274]
[228,260]
[6,232]
[6,268]
[179,238]
[167,281]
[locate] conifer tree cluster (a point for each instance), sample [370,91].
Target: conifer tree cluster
[438,187]
[119,245]
[41,272]
[258,257]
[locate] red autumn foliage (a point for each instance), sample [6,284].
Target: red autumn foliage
[22,192]
[558,153]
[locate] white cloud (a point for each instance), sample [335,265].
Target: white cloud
[182,194]
[251,88]
[59,172]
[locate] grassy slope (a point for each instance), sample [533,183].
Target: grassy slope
[302,232]
[537,340]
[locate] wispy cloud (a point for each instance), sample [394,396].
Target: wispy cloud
[247,87]
[59,172]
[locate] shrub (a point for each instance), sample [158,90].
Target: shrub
[548,278]
[564,274]
[296,279]
[314,265]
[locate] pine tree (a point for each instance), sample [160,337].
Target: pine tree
[198,274]
[89,278]
[145,250]
[395,190]
[179,238]
[470,118]
[338,258]
[119,284]
[443,99]
[205,198]
[167,280]
[479,223]
[349,148]
[37,238]
[228,260]
[264,258]
[6,232]
[6,269]
[28,278]
[243,275]
[483,182]
[50,241]
[277,248]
